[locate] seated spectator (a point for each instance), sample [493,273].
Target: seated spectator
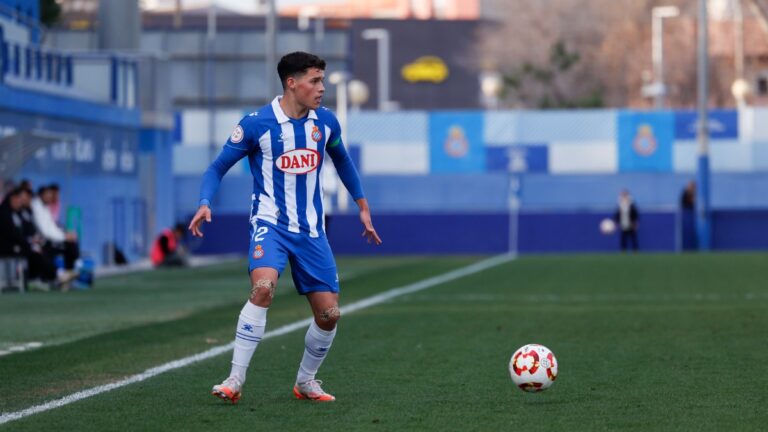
[53,203]
[13,241]
[56,241]
[6,186]
[28,227]
[167,250]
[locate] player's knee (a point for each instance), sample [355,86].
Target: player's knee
[263,289]
[330,314]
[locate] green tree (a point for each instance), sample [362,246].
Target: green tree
[50,11]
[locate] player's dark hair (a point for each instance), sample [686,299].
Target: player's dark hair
[296,64]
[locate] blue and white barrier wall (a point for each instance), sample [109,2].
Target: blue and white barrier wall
[455,173]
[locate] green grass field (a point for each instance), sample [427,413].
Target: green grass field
[645,342]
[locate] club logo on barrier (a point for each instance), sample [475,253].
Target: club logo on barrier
[645,142]
[258,252]
[456,145]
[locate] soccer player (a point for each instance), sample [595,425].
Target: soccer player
[286,143]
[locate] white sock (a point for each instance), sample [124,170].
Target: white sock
[250,329]
[317,342]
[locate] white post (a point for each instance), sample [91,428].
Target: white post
[271,36]
[210,76]
[657,48]
[740,87]
[657,56]
[339,79]
[342,198]
[382,54]
[703,209]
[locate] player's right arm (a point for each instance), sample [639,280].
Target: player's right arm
[236,148]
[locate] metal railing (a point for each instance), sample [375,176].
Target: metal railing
[34,27]
[101,77]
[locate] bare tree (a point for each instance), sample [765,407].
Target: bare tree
[612,39]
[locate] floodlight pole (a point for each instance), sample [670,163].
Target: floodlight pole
[210,85]
[306,14]
[271,37]
[340,79]
[703,211]
[657,48]
[382,54]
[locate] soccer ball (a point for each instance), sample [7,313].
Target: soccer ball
[607,226]
[533,368]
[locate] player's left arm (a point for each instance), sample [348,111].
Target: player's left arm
[351,180]
[365,217]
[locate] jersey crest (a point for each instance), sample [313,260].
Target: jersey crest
[316,134]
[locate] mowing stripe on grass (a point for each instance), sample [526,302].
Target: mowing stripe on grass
[213,352]
[555,298]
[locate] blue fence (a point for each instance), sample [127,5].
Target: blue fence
[740,230]
[526,233]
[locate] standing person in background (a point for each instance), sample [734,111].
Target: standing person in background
[688,216]
[688,197]
[627,218]
[286,143]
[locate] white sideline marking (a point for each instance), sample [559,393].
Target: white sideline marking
[213,352]
[20,348]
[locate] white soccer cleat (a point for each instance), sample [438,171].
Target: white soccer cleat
[311,390]
[229,390]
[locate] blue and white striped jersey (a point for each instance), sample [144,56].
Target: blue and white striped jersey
[286,158]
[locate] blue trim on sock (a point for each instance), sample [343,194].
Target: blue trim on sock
[248,337]
[315,353]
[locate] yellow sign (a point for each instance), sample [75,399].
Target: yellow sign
[425,69]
